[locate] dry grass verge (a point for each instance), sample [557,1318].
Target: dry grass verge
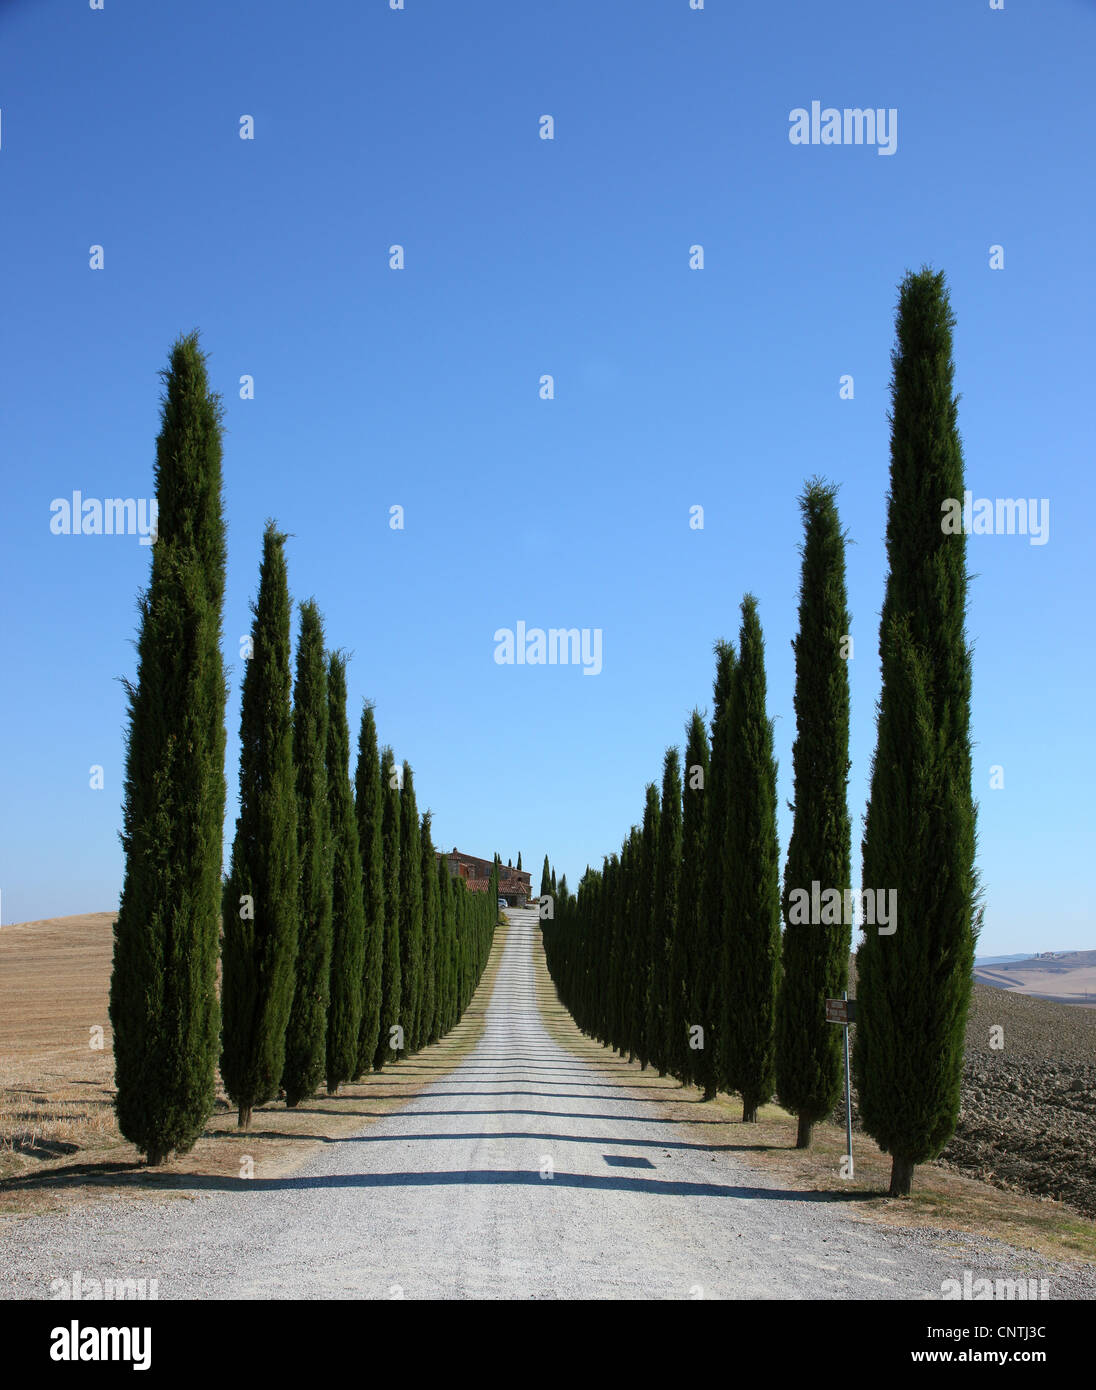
[59,1141]
[942,1199]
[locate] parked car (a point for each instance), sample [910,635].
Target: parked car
[503,902]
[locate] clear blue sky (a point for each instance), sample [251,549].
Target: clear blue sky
[376,387]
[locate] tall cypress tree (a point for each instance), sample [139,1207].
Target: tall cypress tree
[410,912]
[667,878]
[446,948]
[809,1071]
[368,811]
[391,983]
[919,833]
[306,1034]
[344,1014]
[163,990]
[753,974]
[646,916]
[631,976]
[684,957]
[545,879]
[261,902]
[431,909]
[711,964]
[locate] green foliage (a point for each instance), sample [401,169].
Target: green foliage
[306,1034]
[919,834]
[809,1057]
[261,903]
[667,881]
[431,928]
[163,993]
[753,880]
[344,1012]
[410,913]
[685,949]
[368,812]
[711,953]
[391,983]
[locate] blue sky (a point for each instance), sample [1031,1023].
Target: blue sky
[420,388]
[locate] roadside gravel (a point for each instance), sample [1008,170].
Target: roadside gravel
[526,1173]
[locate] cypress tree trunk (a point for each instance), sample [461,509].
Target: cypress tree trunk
[306,1035]
[685,959]
[749,999]
[261,902]
[390,846]
[809,1056]
[666,1017]
[410,912]
[163,991]
[919,834]
[344,1013]
[711,966]
[368,811]
[901,1176]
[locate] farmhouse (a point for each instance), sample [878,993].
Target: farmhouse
[476,872]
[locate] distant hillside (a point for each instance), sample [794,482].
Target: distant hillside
[1067,977]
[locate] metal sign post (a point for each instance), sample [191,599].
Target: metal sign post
[843,1011]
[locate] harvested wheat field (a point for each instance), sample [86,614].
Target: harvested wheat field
[59,1142]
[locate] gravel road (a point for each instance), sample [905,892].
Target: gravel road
[526,1173]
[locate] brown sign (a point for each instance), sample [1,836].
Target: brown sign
[841,1011]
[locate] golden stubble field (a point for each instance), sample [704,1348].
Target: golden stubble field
[59,1143]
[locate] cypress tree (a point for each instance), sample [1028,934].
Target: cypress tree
[545,879]
[261,902]
[752,979]
[163,991]
[344,1014]
[667,877]
[709,981]
[446,948]
[631,974]
[430,932]
[410,912]
[306,1035]
[646,924]
[684,958]
[368,812]
[519,861]
[919,833]
[809,1071]
[390,972]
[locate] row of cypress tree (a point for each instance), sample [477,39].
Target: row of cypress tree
[344,942]
[683,951]
[670,952]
